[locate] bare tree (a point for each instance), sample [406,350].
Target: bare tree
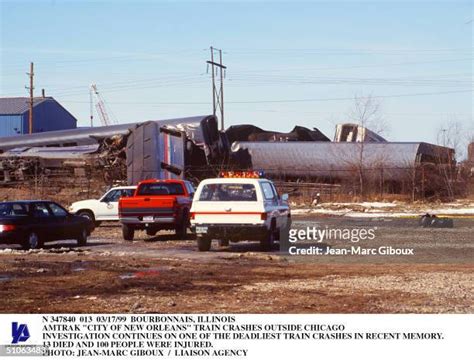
[453,135]
[470,139]
[366,113]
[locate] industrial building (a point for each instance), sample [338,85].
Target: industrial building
[48,115]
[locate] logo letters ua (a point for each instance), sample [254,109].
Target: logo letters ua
[19,333]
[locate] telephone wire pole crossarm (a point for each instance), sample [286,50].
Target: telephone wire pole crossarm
[217,90]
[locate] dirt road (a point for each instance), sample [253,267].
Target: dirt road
[161,274]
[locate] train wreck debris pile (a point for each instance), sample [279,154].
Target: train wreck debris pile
[193,148]
[16,168]
[178,148]
[111,157]
[40,163]
[251,133]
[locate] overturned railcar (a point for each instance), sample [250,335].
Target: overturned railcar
[349,132]
[64,138]
[335,162]
[173,148]
[184,149]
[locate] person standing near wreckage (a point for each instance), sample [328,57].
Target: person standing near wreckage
[316,199]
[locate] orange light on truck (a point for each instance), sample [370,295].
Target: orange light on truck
[242,174]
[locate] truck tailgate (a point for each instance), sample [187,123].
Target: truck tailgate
[206,212]
[144,206]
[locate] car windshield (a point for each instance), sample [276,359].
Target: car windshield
[13,209]
[157,189]
[228,192]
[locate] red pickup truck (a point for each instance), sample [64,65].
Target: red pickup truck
[157,205]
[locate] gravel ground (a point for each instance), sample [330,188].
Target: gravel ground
[162,274]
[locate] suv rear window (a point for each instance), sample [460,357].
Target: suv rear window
[228,192]
[159,189]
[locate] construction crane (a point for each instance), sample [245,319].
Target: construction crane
[100,107]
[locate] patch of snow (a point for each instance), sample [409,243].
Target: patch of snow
[365,204]
[373,213]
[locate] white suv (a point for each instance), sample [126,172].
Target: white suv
[236,209]
[103,209]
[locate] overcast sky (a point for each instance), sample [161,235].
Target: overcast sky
[288,63]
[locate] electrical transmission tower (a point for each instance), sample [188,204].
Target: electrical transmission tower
[217,70]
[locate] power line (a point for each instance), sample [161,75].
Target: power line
[309,80]
[360,66]
[346,51]
[257,80]
[105,60]
[351,98]
[292,100]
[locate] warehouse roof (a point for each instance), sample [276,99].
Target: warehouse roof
[19,105]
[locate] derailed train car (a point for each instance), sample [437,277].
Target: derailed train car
[422,165]
[174,149]
[154,149]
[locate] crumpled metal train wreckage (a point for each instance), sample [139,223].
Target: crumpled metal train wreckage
[194,148]
[190,147]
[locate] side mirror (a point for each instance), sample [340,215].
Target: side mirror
[284,197]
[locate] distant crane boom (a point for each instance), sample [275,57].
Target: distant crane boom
[100,106]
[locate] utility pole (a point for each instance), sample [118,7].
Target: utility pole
[222,91]
[31,88]
[217,91]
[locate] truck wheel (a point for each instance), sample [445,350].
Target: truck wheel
[127,232]
[82,237]
[204,244]
[266,244]
[182,227]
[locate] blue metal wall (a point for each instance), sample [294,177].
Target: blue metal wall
[8,123]
[47,116]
